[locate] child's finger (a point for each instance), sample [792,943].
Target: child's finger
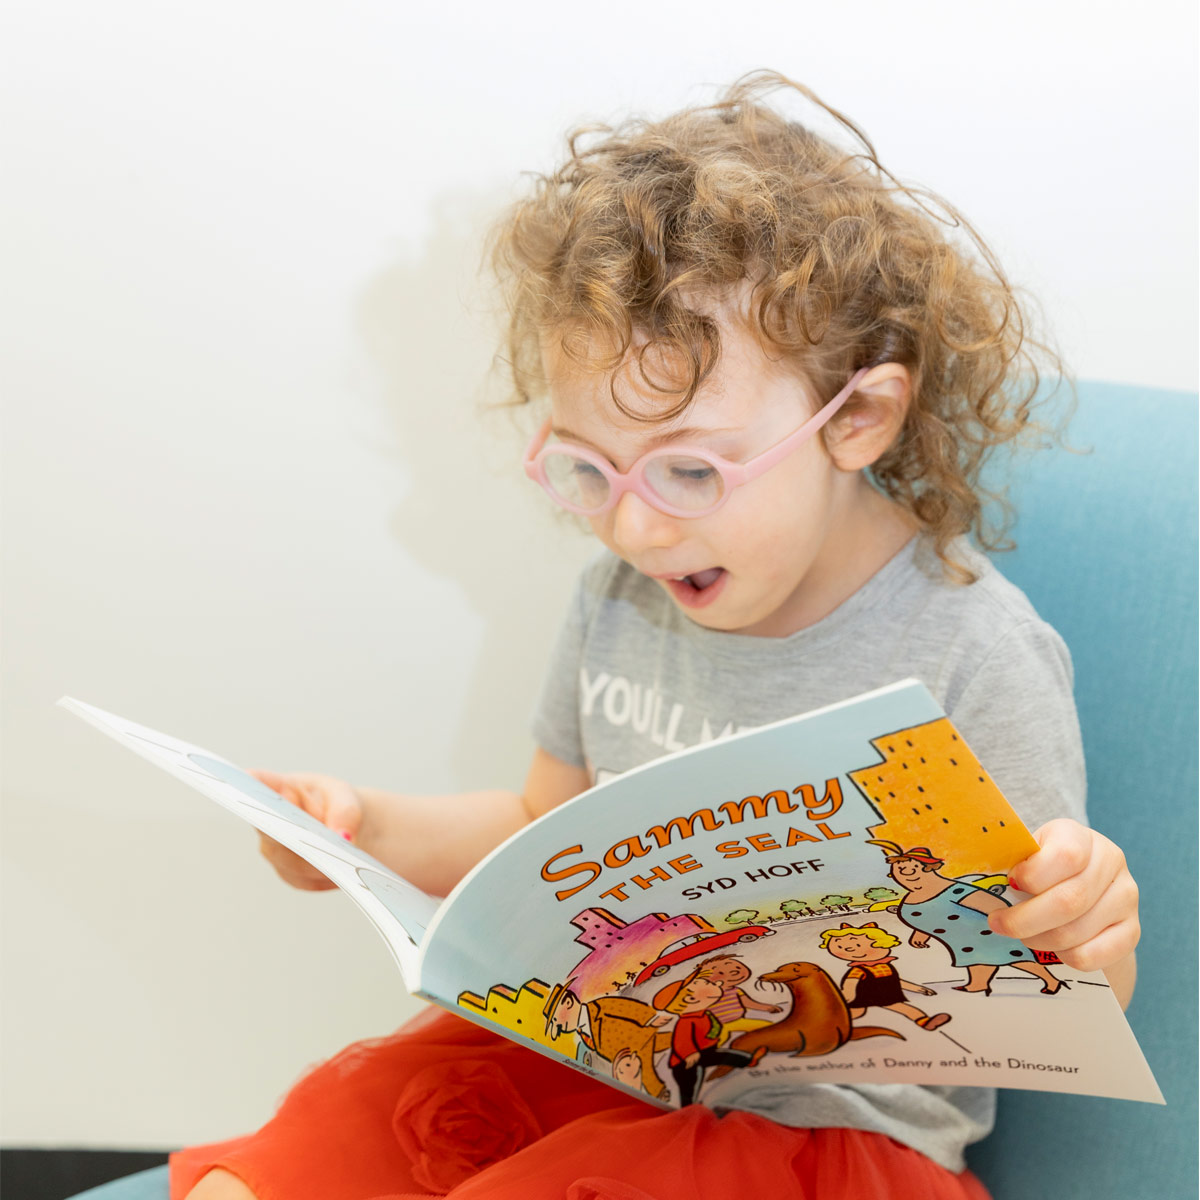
[1058,906]
[331,801]
[303,798]
[1065,849]
[1065,878]
[343,809]
[1107,947]
[291,868]
[293,789]
[1116,906]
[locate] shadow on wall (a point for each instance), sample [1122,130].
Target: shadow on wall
[470,515]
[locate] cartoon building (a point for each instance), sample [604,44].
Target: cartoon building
[932,791]
[616,949]
[521,1011]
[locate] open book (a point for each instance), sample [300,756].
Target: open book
[804,902]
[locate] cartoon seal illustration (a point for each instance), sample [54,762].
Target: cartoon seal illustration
[819,1021]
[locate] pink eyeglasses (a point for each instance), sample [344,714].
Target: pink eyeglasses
[681,481]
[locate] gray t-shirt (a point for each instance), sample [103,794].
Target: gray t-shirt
[631,678]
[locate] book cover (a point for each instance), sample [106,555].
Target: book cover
[804,903]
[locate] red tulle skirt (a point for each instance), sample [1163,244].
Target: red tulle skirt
[445,1108]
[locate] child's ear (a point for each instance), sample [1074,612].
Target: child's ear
[872,419]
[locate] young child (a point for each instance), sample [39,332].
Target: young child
[873,980]
[770,377]
[729,971]
[696,1037]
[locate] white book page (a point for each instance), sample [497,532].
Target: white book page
[398,910]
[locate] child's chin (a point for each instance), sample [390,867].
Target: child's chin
[727,621]
[725,617]
[716,621]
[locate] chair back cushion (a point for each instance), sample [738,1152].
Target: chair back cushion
[1107,552]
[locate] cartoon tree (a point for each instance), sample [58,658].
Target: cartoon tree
[836,902]
[791,908]
[741,916]
[877,895]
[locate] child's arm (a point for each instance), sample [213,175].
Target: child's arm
[1083,904]
[432,841]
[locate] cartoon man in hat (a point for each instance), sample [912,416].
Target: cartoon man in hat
[606,1026]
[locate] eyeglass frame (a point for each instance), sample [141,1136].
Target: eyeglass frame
[733,475]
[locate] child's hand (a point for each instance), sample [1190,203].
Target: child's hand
[1083,901]
[333,802]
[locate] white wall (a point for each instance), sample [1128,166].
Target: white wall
[240,335]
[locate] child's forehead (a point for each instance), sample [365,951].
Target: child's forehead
[633,396]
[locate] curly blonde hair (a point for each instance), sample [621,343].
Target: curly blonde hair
[879,938]
[847,268]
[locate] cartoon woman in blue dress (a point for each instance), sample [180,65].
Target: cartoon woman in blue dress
[955,912]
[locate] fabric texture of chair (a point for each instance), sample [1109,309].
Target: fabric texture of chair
[1107,553]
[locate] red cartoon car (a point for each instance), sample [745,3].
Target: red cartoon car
[698,946]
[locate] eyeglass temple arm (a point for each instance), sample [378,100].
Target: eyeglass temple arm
[768,458]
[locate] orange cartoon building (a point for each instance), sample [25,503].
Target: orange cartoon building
[932,791]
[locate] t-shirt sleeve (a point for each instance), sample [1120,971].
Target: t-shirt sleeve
[1017,713]
[556,727]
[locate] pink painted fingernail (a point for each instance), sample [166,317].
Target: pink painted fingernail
[348,836]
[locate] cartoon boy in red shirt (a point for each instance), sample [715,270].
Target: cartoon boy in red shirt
[695,1038]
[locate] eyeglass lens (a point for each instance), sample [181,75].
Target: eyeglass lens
[686,483]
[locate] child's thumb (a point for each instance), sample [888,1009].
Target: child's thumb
[343,811]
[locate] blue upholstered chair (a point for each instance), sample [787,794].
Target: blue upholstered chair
[1107,552]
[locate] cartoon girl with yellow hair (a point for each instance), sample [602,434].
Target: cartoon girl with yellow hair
[873,980]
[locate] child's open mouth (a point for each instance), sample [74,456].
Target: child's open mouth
[699,588]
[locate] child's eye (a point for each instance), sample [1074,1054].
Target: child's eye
[576,481]
[692,474]
[684,481]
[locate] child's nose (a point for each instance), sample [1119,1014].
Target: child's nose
[638,526]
